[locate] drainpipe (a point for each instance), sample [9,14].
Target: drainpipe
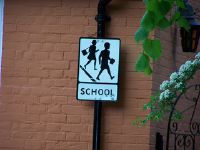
[101,19]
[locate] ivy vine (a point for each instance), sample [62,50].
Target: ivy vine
[155,17]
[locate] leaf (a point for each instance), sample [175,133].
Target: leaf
[152,5]
[164,23]
[180,4]
[159,8]
[164,7]
[142,62]
[141,34]
[148,70]
[182,22]
[148,21]
[152,48]
[175,17]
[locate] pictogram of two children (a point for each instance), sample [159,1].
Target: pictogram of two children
[104,58]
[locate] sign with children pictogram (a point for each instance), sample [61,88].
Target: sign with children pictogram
[98,69]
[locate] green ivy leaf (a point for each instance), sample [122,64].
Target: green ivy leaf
[159,8]
[164,23]
[182,22]
[152,5]
[148,21]
[142,62]
[164,7]
[141,34]
[180,3]
[152,48]
[148,70]
[175,17]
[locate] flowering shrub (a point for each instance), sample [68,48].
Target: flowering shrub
[162,102]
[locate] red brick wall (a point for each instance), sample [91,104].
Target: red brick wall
[38,109]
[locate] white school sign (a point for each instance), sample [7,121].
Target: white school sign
[98,69]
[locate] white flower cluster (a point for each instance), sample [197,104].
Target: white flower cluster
[167,95]
[165,85]
[178,79]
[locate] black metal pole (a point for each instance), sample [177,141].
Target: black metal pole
[101,19]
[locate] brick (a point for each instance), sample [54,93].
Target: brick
[90,31]
[54,145]
[75,128]
[55,11]
[72,74]
[36,109]
[53,127]
[86,138]
[51,65]
[47,20]
[32,118]
[52,38]
[54,29]
[136,146]
[77,11]
[5,135]
[55,109]
[34,81]
[74,145]
[56,73]
[25,20]
[62,47]
[45,99]
[53,118]
[20,108]
[32,127]
[113,146]
[10,28]
[59,99]
[73,137]
[12,143]
[37,73]
[17,81]
[74,110]
[10,19]
[73,119]
[56,56]
[90,12]
[41,55]
[74,20]
[34,145]
[39,38]
[70,56]
[29,28]
[16,37]
[76,3]
[76,29]
[55,136]
[69,39]
[5,125]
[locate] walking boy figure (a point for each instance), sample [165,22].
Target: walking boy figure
[103,60]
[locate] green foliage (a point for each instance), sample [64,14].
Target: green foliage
[180,4]
[156,17]
[142,64]
[163,102]
[152,48]
[141,34]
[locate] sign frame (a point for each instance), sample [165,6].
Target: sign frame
[99,83]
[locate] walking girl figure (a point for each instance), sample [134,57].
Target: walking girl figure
[103,60]
[92,56]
